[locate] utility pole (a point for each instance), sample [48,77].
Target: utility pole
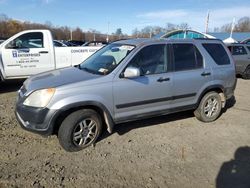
[107,39]
[71,33]
[232,28]
[151,31]
[207,22]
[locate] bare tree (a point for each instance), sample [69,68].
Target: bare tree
[183,26]
[150,31]
[9,27]
[243,25]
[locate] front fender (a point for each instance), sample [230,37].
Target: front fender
[81,101]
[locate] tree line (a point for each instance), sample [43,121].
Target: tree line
[9,27]
[150,31]
[243,25]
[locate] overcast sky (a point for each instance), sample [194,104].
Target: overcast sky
[125,14]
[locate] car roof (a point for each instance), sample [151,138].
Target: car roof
[143,41]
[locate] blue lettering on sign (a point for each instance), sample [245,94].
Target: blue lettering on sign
[14,53]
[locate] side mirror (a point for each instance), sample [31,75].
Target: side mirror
[131,72]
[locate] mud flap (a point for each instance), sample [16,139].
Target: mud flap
[109,122]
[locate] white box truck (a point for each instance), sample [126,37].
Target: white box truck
[31,52]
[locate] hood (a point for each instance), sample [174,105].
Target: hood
[57,78]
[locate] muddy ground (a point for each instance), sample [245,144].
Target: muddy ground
[168,151]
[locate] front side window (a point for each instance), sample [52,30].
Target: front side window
[239,50]
[151,59]
[106,59]
[27,40]
[217,52]
[186,57]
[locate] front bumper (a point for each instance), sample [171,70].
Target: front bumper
[37,120]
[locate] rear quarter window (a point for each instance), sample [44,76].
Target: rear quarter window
[217,52]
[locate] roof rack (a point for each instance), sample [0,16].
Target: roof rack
[207,39]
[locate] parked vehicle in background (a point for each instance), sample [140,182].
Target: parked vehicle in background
[246,41]
[58,43]
[75,43]
[125,81]
[241,55]
[32,52]
[95,43]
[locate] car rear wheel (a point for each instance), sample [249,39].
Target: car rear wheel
[79,130]
[209,108]
[246,74]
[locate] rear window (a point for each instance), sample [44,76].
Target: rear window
[218,53]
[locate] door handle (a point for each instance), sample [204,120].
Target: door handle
[206,74]
[161,79]
[43,52]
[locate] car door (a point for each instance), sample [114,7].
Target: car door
[190,74]
[241,58]
[149,93]
[27,54]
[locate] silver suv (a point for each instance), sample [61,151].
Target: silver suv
[125,81]
[241,55]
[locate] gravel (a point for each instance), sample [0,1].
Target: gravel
[168,151]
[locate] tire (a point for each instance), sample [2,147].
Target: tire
[209,108]
[246,74]
[79,130]
[1,77]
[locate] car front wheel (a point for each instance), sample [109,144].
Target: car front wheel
[209,108]
[79,130]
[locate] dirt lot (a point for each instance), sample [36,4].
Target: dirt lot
[169,151]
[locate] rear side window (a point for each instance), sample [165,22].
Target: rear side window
[218,53]
[186,57]
[248,48]
[238,50]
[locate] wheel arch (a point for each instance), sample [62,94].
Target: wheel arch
[98,107]
[217,88]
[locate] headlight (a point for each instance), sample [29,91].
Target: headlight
[40,98]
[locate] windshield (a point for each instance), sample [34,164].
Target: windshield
[106,59]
